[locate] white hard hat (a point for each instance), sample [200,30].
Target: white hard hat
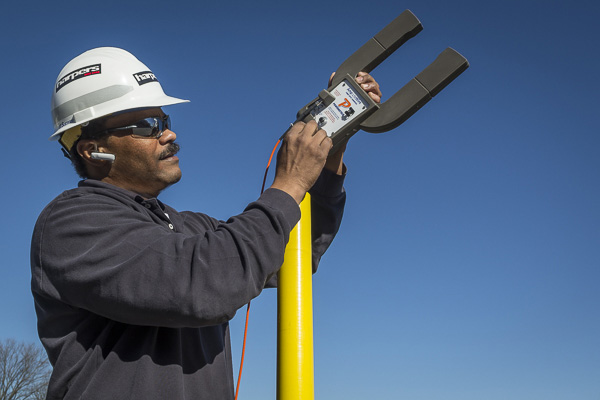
[101,82]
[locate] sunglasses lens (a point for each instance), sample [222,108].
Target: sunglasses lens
[151,127]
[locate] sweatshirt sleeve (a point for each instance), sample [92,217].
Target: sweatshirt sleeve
[110,258]
[328,198]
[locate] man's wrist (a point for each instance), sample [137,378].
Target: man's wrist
[329,184]
[335,162]
[294,190]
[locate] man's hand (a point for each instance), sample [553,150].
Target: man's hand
[335,161]
[301,158]
[305,148]
[367,83]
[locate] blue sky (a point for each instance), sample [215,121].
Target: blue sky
[467,266]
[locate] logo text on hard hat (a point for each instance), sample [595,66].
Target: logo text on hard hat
[145,77]
[77,74]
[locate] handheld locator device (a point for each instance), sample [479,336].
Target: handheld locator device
[344,108]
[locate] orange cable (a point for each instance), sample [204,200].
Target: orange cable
[237,389]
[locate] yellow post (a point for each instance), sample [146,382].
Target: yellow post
[295,365]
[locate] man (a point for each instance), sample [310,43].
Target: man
[132,296]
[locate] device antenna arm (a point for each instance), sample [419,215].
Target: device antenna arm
[379,47]
[417,92]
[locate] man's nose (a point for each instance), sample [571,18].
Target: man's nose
[168,136]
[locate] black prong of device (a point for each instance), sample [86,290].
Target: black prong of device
[417,92]
[446,67]
[379,47]
[374,52]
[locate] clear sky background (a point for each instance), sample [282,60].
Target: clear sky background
[467,265]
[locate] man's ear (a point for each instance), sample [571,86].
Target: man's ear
[87,148]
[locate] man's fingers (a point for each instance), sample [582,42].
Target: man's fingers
[312,127]
[318,134]
[363,77]
[376,98]
[296,128]
[301,127]
[369,84]
[326,141]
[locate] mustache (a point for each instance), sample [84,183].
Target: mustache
[171,150]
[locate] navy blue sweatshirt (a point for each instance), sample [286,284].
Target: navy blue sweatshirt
[133,297]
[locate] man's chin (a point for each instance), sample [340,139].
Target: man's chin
[174,178]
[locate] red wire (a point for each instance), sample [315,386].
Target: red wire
[237,389]
[262,189]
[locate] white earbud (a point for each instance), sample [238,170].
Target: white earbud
[102,156]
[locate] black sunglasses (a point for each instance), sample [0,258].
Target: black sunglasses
[151,127]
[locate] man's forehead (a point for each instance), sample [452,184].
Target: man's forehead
[126,118]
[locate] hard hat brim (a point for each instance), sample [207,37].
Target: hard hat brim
[159,101]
